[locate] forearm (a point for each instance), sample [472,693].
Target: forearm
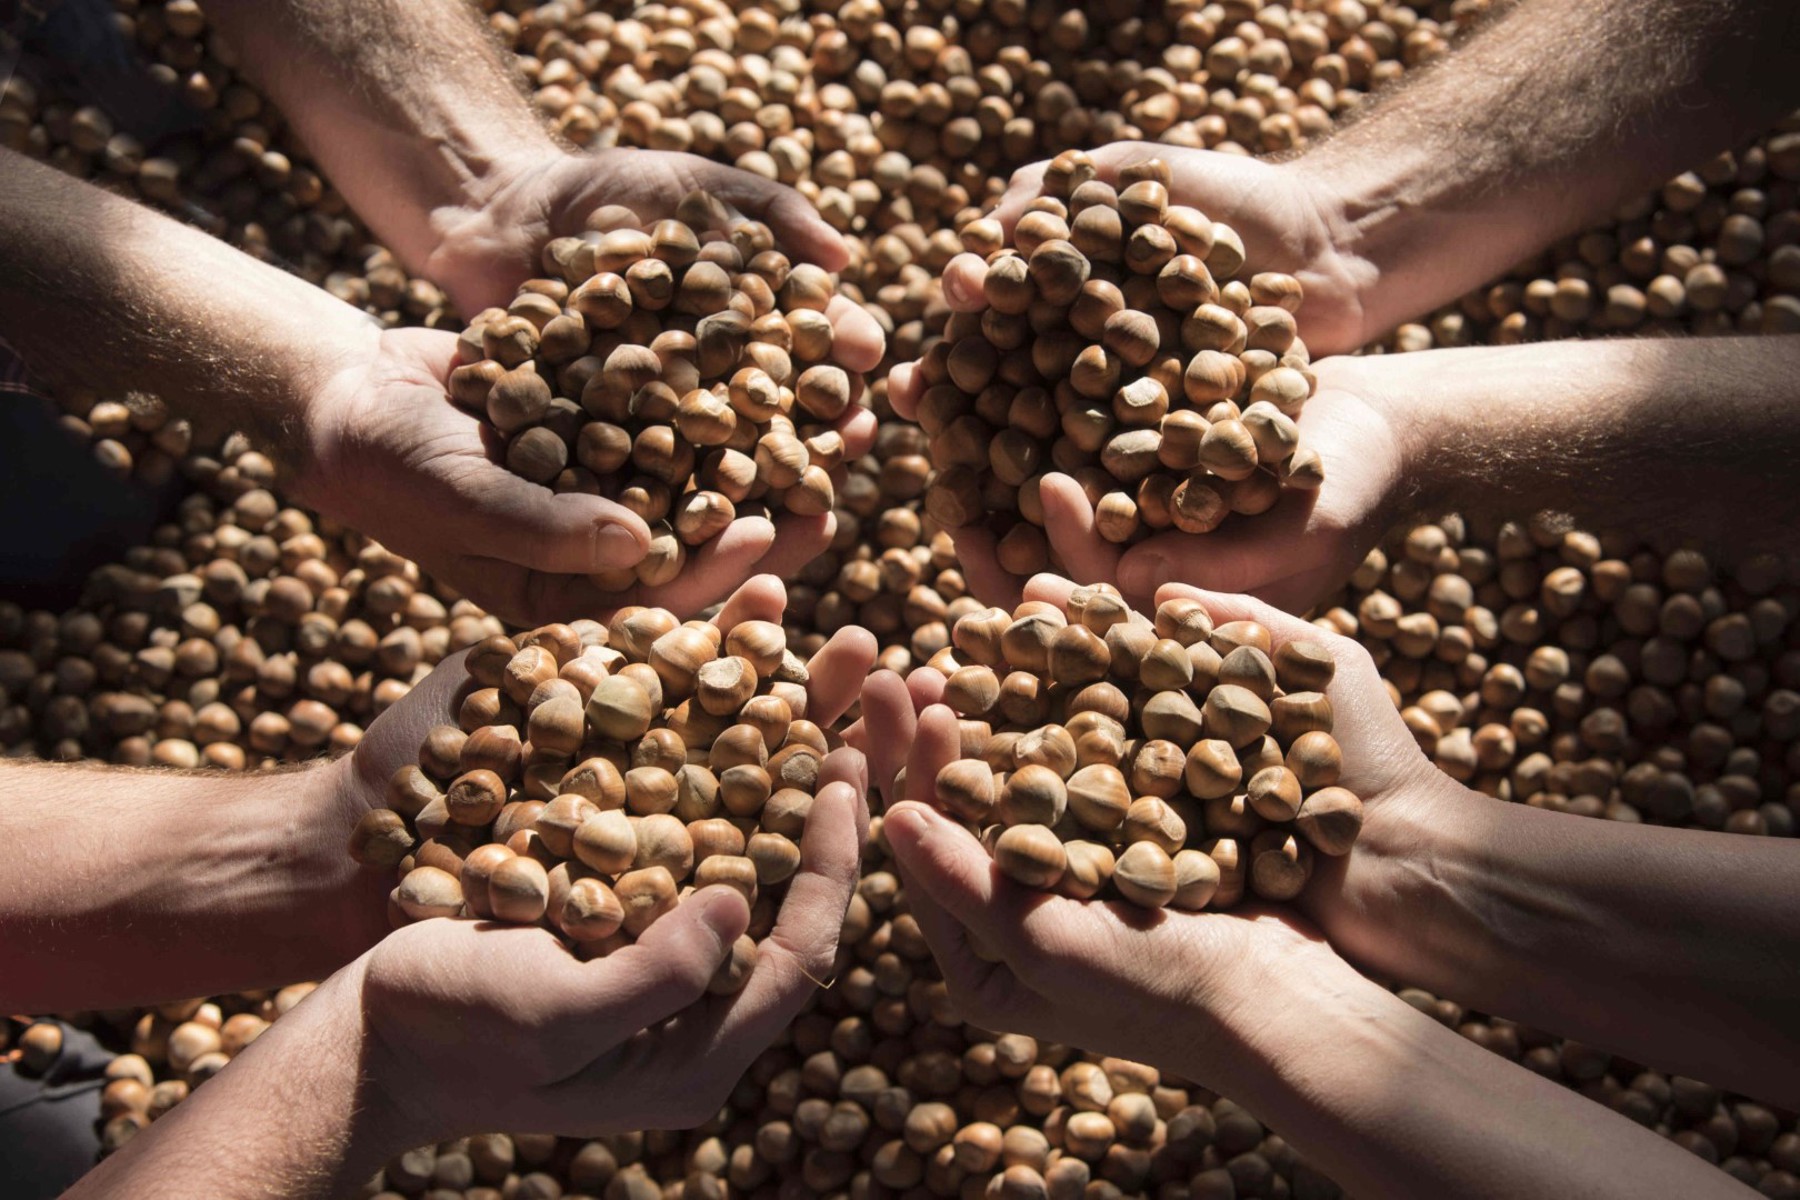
[99,292]
[326,1137]
[1550,117]
[411,106]
[1683,441]
[1387,1102]
[129,887]
[1672,947]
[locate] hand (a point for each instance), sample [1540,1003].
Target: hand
[1287,219]
[393,739]
[1406,801]
[488,248]
[389,454]
[1293,556]
[1173,989]
[473,1026]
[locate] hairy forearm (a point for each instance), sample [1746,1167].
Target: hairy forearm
[1547,119]
[326,1137]
[99,292]
[1678,441]
[411,106]
[1389,1103]
[1672,947]
[133,886]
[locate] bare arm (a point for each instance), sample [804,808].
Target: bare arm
[101,292]
[1670,946]
[1390,1103]
[1675,440]
[129,886]
[412,108]
[1549,117]
[420,118]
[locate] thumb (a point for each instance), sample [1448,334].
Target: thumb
[797,225]
[570,533]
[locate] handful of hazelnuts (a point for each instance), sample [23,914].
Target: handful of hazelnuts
[682,371]
[1120,346]
[1166,761]
[597,773]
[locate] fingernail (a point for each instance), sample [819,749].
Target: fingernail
[1140,574]
[617,546]
[720,907]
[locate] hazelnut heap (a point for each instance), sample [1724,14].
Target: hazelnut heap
[1178,761]
[596,771]
[684,374]
[1118,346]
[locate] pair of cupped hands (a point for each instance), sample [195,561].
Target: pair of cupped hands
[387,454]
[633,1040]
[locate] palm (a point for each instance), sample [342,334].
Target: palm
[1306,546]
[1278,214]
[398,461]
[1292,556]
[486,256]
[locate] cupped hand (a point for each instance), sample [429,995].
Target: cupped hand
[472,1025]
[1173,989]
[1360,901]
[485,249]
[1293,556]
[388,454]
[1287,219]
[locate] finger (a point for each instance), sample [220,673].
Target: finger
[858,427]
[591,1007]
[964,277]
[797,225]
[836,674]
[1069,520]
[1222,607]
[936,742]
[857,342]
[1261,556]
[906,383]
[1029,929]
[988,580]
[759,598]
[926,686]
[1026,184]
[517,521]
[797,540]
[986,992]
[848,765]
[714,569]
[801,951]
[1051,589]
[889,723]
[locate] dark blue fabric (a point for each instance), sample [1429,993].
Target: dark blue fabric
[49,1127]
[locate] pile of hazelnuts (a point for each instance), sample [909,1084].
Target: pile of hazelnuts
[1168,762]
[683,371]
[596,773]
[1119,346]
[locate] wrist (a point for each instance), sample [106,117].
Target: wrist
[483,240]
[1339,246]
[352,907]
[1293,1002]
